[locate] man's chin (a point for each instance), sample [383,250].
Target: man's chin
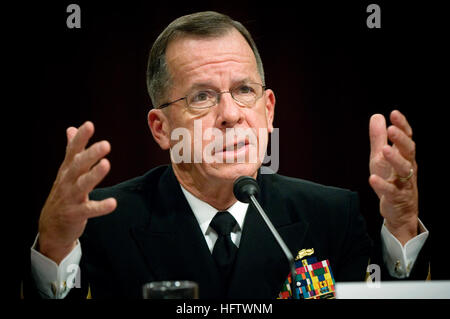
[231,171]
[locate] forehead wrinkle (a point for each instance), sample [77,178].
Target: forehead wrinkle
[217,69]
[193,48]
[192,64]
[213,72]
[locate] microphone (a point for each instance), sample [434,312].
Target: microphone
[245,189]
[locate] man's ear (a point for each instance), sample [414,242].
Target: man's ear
[270,108]
[158,123]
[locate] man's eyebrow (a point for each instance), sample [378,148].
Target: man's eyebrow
[201,85]
[244,81]
[209,85]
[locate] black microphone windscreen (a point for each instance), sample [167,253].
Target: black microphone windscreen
[244,187]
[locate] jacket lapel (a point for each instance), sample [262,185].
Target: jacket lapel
[172,242]
[261,267]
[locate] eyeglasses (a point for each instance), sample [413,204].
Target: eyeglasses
[245,95]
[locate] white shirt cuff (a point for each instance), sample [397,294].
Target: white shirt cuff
[399,259]
[55,281]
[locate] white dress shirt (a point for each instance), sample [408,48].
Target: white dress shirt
[51,279]
[205,213]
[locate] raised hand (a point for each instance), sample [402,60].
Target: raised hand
[393,170]
[67,208]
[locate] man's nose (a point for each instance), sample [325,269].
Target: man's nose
[230,113]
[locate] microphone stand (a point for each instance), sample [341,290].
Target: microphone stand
[280,242]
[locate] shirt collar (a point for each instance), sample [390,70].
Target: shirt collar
[204,213]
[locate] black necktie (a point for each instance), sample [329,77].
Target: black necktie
[224,251]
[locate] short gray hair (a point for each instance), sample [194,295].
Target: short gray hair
[206,24]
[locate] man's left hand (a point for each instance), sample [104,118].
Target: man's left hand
[393,174]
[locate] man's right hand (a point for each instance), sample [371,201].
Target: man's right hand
[67,208]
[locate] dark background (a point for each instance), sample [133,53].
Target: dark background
[329,72]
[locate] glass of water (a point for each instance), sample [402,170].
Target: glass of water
[183,289]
